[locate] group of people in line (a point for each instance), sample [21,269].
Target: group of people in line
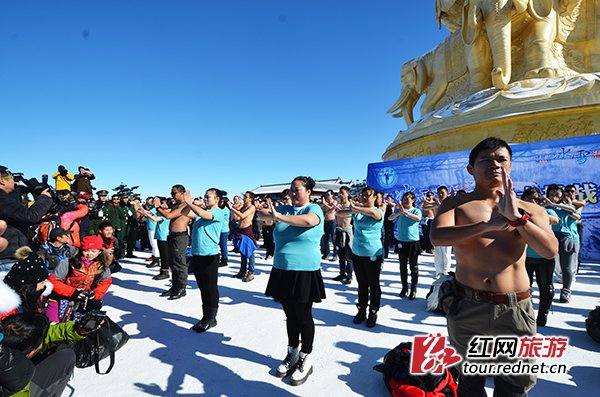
[296,234]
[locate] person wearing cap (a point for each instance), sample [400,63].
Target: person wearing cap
[116,216]
[82,181]
[71,278]
[17,216]
[22,288]
[57,248]
[99,212]
[130,215]
[63,179]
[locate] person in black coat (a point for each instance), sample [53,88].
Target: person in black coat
[17,216]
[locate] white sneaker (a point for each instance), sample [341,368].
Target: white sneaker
[289,362]
[303,370]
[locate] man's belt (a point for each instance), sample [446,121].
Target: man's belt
[492,297]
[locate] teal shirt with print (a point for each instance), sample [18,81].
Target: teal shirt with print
[530,251]
[367,234]
[207,233]
[298,248]
[407,229]
[227,215]
[162,229]
[567,225]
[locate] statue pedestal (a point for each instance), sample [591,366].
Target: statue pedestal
[527,111]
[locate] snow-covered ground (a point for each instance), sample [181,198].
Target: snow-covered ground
[164,357]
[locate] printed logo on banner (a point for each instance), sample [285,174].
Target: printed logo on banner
[387,177]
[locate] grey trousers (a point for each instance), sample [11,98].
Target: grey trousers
[178,243]
[473,318]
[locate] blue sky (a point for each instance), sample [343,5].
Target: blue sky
[229,94]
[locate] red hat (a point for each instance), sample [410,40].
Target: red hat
[91,243]
[84,195]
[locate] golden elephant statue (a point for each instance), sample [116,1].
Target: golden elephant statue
[491,27]
[430,74]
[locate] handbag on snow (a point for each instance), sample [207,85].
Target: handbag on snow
[99,344]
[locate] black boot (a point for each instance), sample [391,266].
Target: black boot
[223,262]
[209,320]
[413,292]
[361,315]
[404,279]
[155,262]
[178,293]
[414,279]
[372,320]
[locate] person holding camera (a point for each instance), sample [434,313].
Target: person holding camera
[17,216]
[63,179]
[82,181]
[81,281]
[28,366]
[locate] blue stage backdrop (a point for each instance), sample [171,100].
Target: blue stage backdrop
[563,161]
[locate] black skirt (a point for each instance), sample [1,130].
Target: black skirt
[300,286]
[409,248]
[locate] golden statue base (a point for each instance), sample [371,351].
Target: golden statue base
[527,111]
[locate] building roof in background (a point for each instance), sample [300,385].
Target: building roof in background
[320,187]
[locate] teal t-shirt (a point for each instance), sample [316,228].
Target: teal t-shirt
[367,234]
[207,234]
[151,225]
[530,251]
[227,215]
[567,225]
[298,248]
[407,229]
[162,229]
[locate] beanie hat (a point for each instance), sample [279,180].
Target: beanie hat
[91,243]
[84,195]
[30,270]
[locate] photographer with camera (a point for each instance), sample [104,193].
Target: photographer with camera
[82,181]
[63,179]
[29,366]
[17,216]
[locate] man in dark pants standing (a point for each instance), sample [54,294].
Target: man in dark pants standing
[178,241]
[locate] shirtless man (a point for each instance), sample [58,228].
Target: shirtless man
[344,236]
[245,216]
[429,210]
[490,229]
[178,241]
[328,205]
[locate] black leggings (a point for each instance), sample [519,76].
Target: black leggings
[367,274]
[405,261]
[165,259]
[300,324]
[206,270]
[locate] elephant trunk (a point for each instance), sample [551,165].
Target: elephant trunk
[406,102]
[498,25]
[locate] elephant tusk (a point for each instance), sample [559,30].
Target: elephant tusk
[407,97]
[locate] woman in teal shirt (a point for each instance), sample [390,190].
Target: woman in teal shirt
[208,223]
[295,279]
[409,247]
[367,254]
